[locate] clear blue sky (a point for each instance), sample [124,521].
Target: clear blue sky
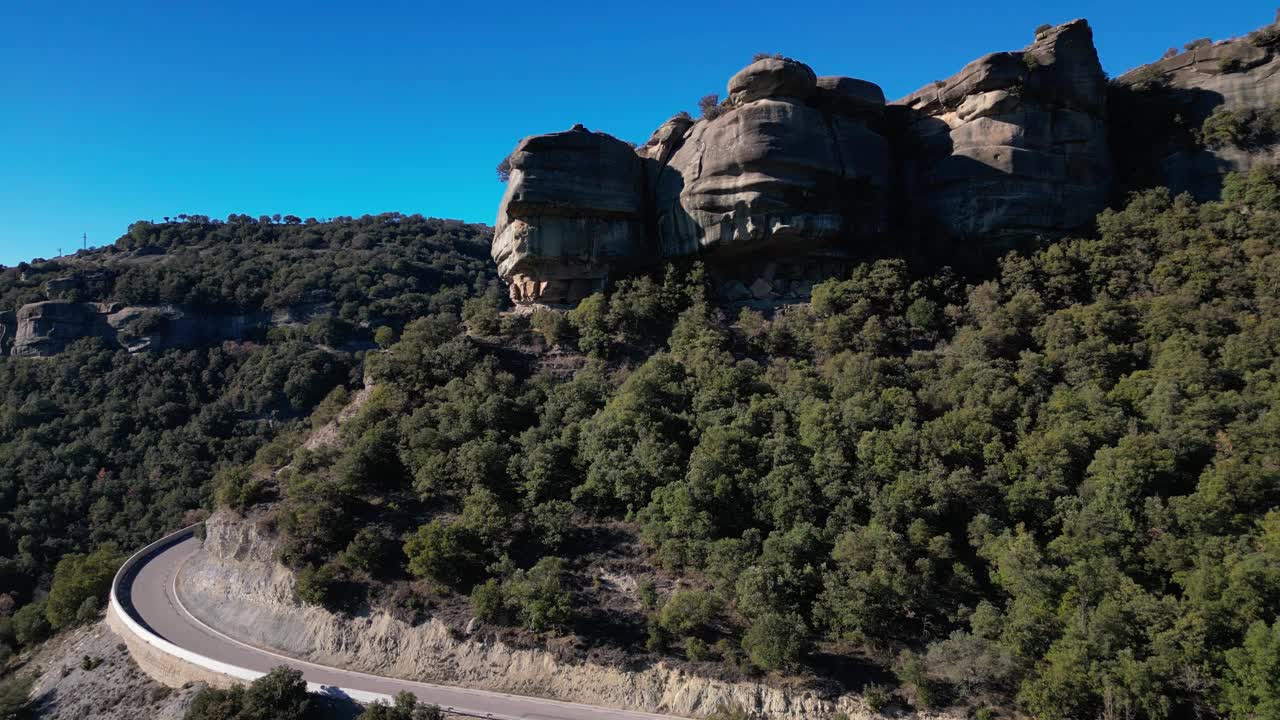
[112,112]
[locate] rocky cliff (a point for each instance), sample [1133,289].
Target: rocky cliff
[1015,144]
[46,328]
[1162,108]
[795,175]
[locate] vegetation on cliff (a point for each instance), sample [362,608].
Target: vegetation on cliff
[1058,485]
[105,450]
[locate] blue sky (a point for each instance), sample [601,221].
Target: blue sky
[112,112]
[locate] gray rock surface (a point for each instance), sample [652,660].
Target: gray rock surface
[1166,102]
[1016,142]
[572,207]
[772,78]
[775,175]
[47,328]
[800,173]
[116,689]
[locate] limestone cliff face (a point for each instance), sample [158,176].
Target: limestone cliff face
[1015,144]
[794,174]
[47,328]
[1165,104]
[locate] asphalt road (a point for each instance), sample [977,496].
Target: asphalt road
[158,608]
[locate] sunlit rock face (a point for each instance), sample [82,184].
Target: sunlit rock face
[785,168]
[1015,144]
[790,167]
[572,210]
[794,175]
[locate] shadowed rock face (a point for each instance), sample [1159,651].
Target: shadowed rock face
[1015,144]
[47,328]
[1165,103]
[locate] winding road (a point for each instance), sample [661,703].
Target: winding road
[155,605]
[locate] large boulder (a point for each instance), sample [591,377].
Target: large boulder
[772,175]
[772,77]
[1015,144]
[47,328]
[1161,110]
[572,210]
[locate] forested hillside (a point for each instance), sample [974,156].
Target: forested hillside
[103,449]
[1055,490]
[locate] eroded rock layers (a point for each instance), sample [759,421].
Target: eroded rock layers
[794,175]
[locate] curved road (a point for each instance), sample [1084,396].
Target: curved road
[157,607]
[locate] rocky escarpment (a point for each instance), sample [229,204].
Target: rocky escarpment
[1161,109]
[793,175]
[234,584]
[46,328]
[1015,144]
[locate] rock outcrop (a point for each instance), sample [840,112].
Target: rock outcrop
[794,174]
[572,209]
[47,328]
[1015,144]
[1160,122]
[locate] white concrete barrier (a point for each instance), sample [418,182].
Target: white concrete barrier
[124,617]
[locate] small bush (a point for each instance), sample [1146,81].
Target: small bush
[1248,129]
[487,602]
[697,650]
[79,580]
[15,693]
[776,641]
[710,107]
[1266,37]
[878,697]
[504,169]
[238,488]
[384,336]
[689,611]
[1042,29]
[1171,52]
[553,326]
[90,663]
[1196,44]
[316,585]
[1230,65]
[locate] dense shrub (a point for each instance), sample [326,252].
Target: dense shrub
[1053,487]
[710,107]
[279,695]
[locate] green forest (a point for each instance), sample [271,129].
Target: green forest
[1053,490]
[102,451]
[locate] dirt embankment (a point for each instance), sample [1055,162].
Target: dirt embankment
[235,585]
